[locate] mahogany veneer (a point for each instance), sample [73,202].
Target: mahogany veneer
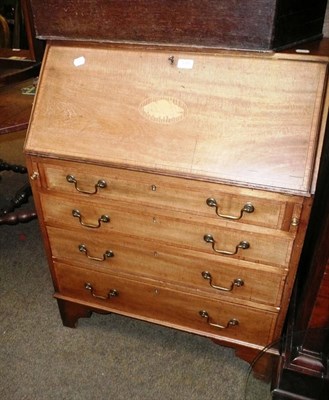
[176,186]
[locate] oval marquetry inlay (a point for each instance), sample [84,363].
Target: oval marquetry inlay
[163,110]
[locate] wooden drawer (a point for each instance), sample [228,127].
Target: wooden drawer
[268,209]
[184,268]
[262,245]
[159,304]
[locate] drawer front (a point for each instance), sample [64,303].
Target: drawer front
[160,304]
[187,269]
[220,202]
[178,229]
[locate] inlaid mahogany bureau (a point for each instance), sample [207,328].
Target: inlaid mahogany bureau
[175,185]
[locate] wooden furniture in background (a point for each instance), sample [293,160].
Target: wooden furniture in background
[21,55]
[15,107]
[14,119]
[304,365]
[19,66]
[251,25]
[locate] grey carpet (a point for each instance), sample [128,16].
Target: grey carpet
[106,356]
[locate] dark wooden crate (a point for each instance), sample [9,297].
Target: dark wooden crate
[234,24]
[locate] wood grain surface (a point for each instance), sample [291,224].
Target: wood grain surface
[250,121]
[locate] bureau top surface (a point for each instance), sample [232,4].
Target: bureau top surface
[246,120]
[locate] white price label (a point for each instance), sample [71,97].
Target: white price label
[184,63]
[79,61]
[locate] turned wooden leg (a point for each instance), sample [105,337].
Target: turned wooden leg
[20,169]
[17,217]
[21,197]
[71,312]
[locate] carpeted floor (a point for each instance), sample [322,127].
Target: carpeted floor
[106,356]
